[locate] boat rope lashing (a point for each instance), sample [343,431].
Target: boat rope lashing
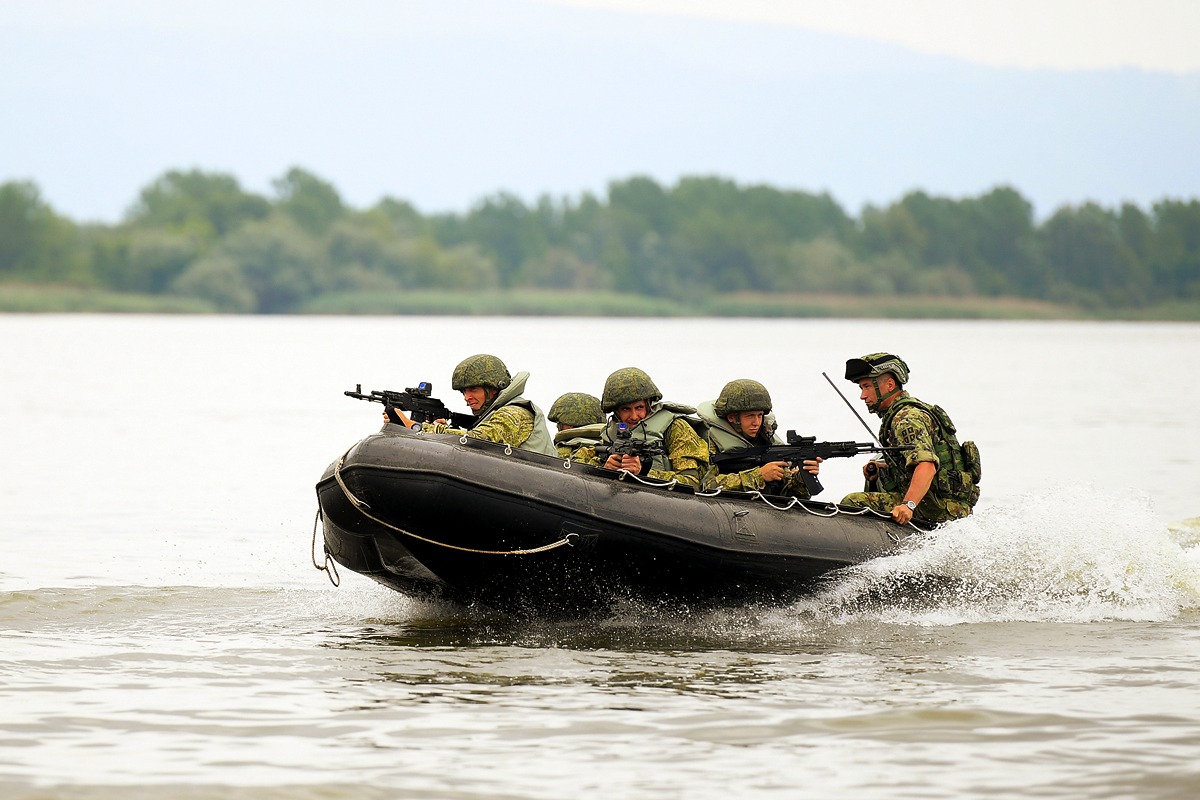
[671,484]
[330,566]
[362,506]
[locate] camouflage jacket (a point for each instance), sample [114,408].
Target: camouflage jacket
[510,419]
[908,421]
[686,458]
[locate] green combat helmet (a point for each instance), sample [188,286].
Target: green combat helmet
[874,365]
[628,385]
[480,370]
[576,409]
[740,395]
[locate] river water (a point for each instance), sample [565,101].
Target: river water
[165,635]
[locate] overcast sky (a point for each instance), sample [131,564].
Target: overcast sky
[1060,34]
[443,103]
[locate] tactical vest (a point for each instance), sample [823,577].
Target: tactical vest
[958,470]
[654,426]
[539,441]
[723,436]
[583,436]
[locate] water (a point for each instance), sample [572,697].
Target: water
[166,636]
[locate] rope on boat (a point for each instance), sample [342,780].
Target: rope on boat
[671,484]
[330,566]
[834,510]
[361,506]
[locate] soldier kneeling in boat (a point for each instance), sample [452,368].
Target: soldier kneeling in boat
[741,417]
[580,422]
[938,479]
[494,397]
[640,414]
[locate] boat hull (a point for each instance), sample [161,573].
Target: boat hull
[439,516]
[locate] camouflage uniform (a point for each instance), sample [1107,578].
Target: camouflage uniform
[908,421]
[584,419]
[509,418]
[722,436]
[686,454]
[686,458]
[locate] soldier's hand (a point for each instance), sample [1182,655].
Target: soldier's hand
[774,471]
[813,466]
[632,463]
[871,469]
[613,462]
[902,514]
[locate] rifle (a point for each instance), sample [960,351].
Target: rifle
[417,402]
[626,445]
[797,450]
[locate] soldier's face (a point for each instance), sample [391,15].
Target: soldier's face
[867,392]
[632,413]
[475,397]
[748,422]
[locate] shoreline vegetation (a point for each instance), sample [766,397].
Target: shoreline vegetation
[196,242]
[18,298]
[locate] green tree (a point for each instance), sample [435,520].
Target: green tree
[208,206]
[313,203]
[35,243]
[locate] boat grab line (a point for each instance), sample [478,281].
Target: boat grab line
[330,566]
[361,506]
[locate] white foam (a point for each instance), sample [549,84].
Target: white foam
[1064,554]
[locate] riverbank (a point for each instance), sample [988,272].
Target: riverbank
[28,298]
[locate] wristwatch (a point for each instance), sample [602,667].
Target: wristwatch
[911,505]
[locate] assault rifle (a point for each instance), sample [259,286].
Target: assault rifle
[626,445]
[797,450]
[417,401]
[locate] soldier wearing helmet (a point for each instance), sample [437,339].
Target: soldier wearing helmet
[580,422]
[494,397]
[741,417]
[937,480]
[636,404]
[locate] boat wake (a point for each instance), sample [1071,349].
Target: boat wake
[1067,554]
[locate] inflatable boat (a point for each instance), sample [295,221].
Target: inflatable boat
[442,516]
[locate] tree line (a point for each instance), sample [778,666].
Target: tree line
[200,235]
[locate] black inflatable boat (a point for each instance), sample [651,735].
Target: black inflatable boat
[473,522]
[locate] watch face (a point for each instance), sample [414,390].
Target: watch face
[911,505]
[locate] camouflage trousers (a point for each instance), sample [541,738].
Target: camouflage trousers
[930,509]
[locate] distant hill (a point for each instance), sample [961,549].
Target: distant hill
[444,107]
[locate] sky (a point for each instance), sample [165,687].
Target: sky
[443,104]
[1159,35]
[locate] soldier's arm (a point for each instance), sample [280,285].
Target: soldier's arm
[688,454]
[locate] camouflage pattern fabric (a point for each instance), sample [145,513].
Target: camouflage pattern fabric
[751,480]
[911,425]
[480,370]
[576,409]
[930,509]
[510,425]
[686,452]
[628,385]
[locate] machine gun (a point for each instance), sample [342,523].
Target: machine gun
[418,402]
[797,450]
[626,445]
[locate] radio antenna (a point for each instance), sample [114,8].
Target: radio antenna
[853,410]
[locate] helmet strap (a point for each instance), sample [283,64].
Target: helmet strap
[880,397]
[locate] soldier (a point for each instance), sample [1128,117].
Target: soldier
[494,397]
[938,479]
[637,404]
[580,422]
[741,417]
